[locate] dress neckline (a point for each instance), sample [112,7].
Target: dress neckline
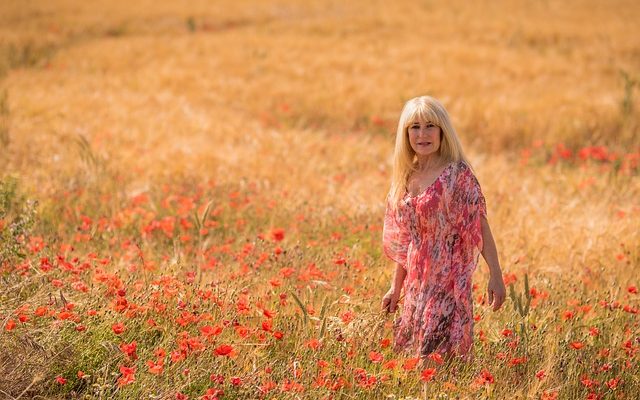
[407,194]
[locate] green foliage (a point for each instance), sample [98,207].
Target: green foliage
[24,54]
[17,216]
[521,301]
[87,155]
[191,24]
[627,101]
[4,118]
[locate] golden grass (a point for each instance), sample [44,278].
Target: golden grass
[297,103]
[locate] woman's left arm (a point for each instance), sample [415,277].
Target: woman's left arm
[495,290]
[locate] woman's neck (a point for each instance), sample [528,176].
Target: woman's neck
[428,162]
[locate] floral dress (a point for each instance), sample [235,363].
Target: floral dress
[437,237]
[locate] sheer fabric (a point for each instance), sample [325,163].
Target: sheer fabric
[437,237]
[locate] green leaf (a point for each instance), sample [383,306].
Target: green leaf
[304,311]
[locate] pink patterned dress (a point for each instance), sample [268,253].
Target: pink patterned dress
[437,237]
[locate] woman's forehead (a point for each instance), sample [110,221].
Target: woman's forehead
[420,120]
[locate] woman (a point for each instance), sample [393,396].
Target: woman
[435,227]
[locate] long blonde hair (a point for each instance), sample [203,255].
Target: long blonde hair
[424,108]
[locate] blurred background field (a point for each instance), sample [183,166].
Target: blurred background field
[282,115]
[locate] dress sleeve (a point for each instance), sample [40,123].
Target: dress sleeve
[395,236]
[466,207]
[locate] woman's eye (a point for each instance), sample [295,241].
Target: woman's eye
[417,126]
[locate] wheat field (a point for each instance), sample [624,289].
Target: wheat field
[192,194]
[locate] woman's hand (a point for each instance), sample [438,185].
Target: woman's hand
[496,291]
[390,300]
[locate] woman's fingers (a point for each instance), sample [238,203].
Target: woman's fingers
[499,299]
[386,303]
[389,304]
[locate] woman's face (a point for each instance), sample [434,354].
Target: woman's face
[424,137]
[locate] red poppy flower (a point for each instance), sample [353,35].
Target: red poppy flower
[507,332]
[40,311]
[567,315]
[410,364]
[613,383]
[242,331]
[268,314]
[277,234]
[235,381]
[437,357]
[118,328]
[129,349]
[267,325]
[128,375]
[64,315]
[484,378]
[517,360]
[587,382]
[347,316]
[391,364]
[10,325]
[155,367]
[428,374]
[275,282]
[224,350]
[208,331]
[375,357]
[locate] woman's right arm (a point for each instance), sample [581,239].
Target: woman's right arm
[395,242]
[390,300]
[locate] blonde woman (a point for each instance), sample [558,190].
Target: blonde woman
[435,227]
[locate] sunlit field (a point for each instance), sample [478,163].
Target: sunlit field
[192,196]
